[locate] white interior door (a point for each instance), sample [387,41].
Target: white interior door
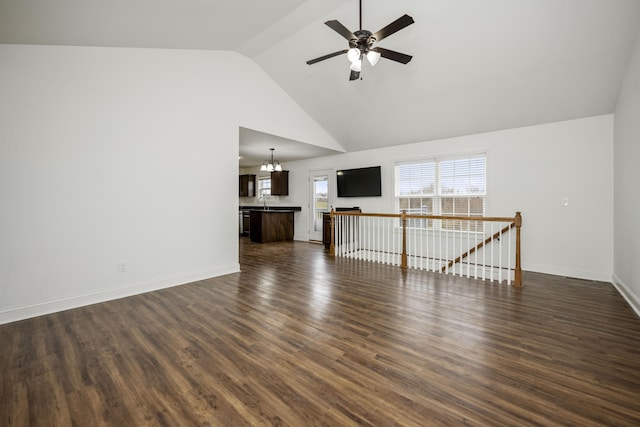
[320,201]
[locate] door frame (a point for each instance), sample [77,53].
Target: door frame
[330,174]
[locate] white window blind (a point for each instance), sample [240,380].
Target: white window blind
[463,176]
[414,179]
[454,186]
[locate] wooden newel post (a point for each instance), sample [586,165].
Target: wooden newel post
[403,219]
[517,281]
[332,247]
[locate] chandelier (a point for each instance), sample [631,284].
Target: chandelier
[271,165]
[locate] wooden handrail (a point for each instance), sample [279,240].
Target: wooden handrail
[442,217]
[515,221]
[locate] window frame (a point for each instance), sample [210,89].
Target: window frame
[432,202]
[262,187]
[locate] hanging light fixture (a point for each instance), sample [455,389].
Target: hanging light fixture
[353,54]
[373,57]
[271,165]
[356,65]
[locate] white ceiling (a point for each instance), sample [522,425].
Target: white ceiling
[255,148]
[479,65]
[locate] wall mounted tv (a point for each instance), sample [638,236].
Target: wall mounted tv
[361,182]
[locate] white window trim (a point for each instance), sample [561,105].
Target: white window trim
[436,225]
[261,179]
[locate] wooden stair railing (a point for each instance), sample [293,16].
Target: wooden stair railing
[514,222]
[478,246]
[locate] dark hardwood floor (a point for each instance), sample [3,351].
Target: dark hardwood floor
[299,338]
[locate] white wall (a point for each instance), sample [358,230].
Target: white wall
[529,170]
[627,179]
[127,156]
[130,155]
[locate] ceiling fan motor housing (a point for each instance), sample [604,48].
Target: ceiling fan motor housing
[363,42]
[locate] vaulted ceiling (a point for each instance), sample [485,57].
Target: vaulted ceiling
[478,65]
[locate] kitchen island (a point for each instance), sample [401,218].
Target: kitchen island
[271,225]
[245,215]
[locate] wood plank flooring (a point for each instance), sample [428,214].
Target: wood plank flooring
[302,339]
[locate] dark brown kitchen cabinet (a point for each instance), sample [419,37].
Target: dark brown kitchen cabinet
[247,185]
[326,229]
[280,183]
[271,226]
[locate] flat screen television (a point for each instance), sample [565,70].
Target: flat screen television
[361,182]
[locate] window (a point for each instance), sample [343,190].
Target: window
[447,186]
[264,186]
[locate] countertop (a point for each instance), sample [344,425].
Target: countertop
[271,208]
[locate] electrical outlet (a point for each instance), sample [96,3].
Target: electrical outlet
[122,267]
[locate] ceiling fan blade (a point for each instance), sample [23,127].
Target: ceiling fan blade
[340,29]
[393,55]
[355,75]
[395,26]
[322,58]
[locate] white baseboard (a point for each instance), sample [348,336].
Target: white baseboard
[627,294]
[26,312]
[568,272]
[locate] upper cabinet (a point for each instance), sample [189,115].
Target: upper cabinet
[280,183]
[247,185]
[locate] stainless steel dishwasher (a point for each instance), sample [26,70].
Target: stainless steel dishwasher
[245,222]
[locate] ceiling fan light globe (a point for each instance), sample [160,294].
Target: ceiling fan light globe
[373,57]
[353,54]
[356,66]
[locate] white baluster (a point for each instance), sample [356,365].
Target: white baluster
[500,259]
[385,253]
[510,267]
[365,237]
[484,251]
[493,244]
[475,244]
[469,263]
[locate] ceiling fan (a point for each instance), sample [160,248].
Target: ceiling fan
[361,44]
